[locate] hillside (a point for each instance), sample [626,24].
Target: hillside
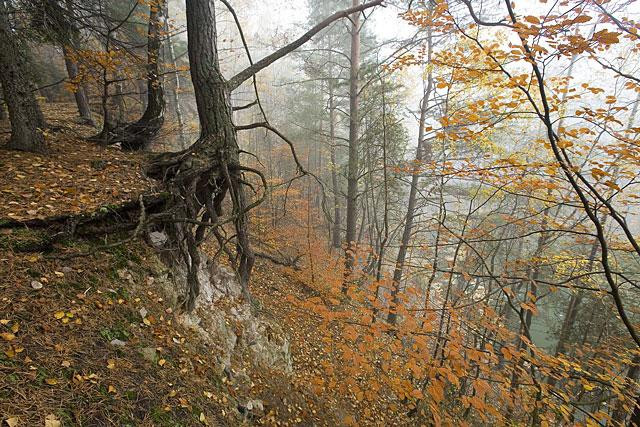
[320,212]
[92,333]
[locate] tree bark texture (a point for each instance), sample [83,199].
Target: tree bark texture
[27,121]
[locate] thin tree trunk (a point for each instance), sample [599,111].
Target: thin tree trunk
[413,192]
[80,93]
[352,176]
[155,104]
[175,89]
[122,108]
[82,100]
[142,93]
[337,222]
[385,215]
[27,121]
[138,135]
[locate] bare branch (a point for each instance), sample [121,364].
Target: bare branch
[243,75]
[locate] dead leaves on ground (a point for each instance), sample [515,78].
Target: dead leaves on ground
[76,176]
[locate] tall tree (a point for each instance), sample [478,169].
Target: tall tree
[354,128]
[27,121]
[405,240]
[137,135]
[79,91]
[175,88]
[55,21]
[201,176]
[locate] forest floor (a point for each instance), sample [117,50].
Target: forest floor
[73,177]
[90,340]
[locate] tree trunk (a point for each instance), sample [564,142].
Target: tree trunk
[200,177]
[352,176]
[82,100]
[122,108]
[139,134]
[337,222]
[175,89]
[413,192]
[210,168]
[2,115]
[143,93]
[27,121]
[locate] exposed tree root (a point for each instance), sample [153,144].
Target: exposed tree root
[131,136]
[198,182]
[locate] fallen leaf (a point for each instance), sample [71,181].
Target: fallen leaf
[111,364]
[7,336]
[12,421]
[112,389]
[15,327]
[51,381]
[161,362]
[59,315]
[66,363]
[52,421]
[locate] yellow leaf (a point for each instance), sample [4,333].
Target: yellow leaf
[112,389]
[161,362]
[203,419]
[66,363]
[7,336]
[111,364]
[4,321]
[15,327]
[52,421]
[59,315]
[12,421]
[51,381]
[146,321]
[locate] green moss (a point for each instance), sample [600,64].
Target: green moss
[160,417]
[25,240]
[115,332]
